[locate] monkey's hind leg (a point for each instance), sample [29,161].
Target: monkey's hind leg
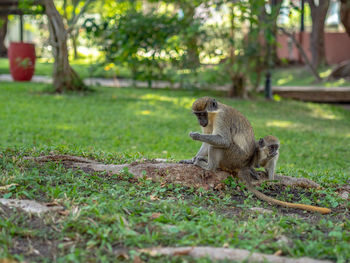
[202,154]
[215,156]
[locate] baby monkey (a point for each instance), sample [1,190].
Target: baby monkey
[266,155]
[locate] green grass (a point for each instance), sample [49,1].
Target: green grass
[301,76]
[84,67]
[108,213]
[205,76]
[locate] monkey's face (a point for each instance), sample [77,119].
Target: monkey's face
[273,149]
[201,107]
[202,117]
[269,146]
[267,151]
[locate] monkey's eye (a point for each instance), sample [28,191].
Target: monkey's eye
[200,114]
[273,147]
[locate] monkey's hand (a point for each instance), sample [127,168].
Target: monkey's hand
[195,135]
[194,160]
[190,161]
[256,175]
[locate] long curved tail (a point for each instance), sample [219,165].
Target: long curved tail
[266,198]
[242,176]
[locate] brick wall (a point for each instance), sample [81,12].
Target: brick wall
[337,47]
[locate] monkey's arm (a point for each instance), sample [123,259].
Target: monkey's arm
[213,139]
[270,167]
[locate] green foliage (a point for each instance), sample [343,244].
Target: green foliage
[29,7]
[142,42]
[2,21]
[204,77]
[252,50]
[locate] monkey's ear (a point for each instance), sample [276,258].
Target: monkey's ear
[214,104]
[261,142]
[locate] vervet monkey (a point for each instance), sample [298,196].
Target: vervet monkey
[229,144]
[266,155]
[226,133]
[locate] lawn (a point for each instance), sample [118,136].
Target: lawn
[301,76]
[205,76]
[113,212]
[84,67]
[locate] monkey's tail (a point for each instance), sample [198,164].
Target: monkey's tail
[268,199]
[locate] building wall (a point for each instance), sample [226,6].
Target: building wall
[337,47]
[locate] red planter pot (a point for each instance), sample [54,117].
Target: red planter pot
[22,60]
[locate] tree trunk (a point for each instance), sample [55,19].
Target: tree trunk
[276,10]
[345,15]
[238,88]
[192,52]
[74,38]
[64,77]
[3,31]
[191,42]
[318,16]
[343,69]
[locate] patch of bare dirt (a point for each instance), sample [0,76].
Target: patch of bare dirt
[282,192]
[30,236]
[193,176]
[184,174]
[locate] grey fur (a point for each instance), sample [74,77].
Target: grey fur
[230,145]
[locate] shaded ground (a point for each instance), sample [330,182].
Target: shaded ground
[31,235]
[293,190]
[191,176]
[40,240]
[56,235]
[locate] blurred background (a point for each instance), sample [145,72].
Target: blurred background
[238,46]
